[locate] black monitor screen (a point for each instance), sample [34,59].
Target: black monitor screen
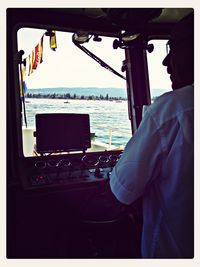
[62,132]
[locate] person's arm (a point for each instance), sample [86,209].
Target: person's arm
[140,163]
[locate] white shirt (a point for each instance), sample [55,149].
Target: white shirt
[157,164]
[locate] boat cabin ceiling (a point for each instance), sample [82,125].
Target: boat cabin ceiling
[103,21]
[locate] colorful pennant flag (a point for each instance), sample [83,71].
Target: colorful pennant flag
[53,44]
[32,60]
[41,49]
[36,57]
[23,87]
[29,65]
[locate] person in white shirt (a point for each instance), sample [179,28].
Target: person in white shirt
[158,161]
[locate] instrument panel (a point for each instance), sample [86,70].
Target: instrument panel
[68,170]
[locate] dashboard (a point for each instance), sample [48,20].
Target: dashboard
[69,170]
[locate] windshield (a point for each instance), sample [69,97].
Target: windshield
[60,78]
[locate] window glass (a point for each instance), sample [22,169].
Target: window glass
[158,76]
[60,78]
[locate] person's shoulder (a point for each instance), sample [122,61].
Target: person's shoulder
[175,95]
[171,103]
[181,95]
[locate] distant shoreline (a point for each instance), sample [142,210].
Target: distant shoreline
[69,96]
[85,93]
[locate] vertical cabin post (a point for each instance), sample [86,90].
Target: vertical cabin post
[137,81]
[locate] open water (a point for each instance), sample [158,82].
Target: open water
[105,116]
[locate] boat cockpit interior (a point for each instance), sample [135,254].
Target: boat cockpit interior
[54,161]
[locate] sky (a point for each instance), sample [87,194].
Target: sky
[68,66]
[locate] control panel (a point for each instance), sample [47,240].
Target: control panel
[70,169]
